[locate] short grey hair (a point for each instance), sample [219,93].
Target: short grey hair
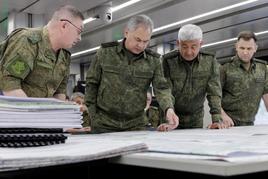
[76,95]
[140,20]
[72,11]
[190,32]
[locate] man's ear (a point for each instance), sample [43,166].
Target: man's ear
[236,46]
[63,25]
[177,42]
[126,32]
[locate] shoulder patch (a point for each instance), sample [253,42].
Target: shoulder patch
[109,44]
[18,67]
[171,54]
[260,61]
[151,52]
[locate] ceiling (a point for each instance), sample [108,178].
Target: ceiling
[216,27]
[47,7]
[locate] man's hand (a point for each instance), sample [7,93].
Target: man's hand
[16,92]
[217,125]
[60,96]
[172,121]
[83,130]
[226,119]
[83,108]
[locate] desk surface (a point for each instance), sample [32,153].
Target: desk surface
[185,164]
[228,152]
[78,148]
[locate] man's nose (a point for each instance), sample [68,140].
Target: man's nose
[141,45]
[245,51]
[189,51]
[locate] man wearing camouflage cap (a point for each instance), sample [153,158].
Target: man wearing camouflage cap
[35,62]
[193,75]
[244,82]
[119,77]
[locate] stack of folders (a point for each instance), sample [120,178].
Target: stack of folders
[29,122]
[20,112]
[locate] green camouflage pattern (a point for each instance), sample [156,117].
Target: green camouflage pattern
[191,83]
[30,64]
[4,43]
[242,90]
[154,116]
[116,88]
[86,119]
[18,67]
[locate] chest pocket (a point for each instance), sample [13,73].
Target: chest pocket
[200,80]
[260,77]
[111,79]
[41,70]
[110,69]
[235,85]
[178,81]
[60,70]
[142,79]
[49,72]
[259,80]
[110,74]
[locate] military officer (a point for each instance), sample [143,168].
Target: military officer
[244,82]
[35,62]
[119,77]
[193,75]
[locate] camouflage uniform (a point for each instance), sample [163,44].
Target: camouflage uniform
[191,82]
[242,90]
[30,64]
[154,116]
[86,119]
[116,88]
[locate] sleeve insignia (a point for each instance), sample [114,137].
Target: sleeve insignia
[18,68]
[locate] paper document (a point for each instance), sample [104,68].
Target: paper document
[18,112]
[78,148]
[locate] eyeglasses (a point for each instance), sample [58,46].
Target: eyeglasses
[79,29]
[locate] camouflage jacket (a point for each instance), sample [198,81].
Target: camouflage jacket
[117,85]
[154,116]
[30,64]
[242,90]
[192,82]
[86,119]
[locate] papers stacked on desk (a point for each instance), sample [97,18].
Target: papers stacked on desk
[38,113]
[78,148]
